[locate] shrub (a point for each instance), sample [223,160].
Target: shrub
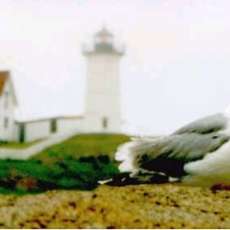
[69,173]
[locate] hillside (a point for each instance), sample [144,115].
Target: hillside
[143,206]
[83,145]
[77,163]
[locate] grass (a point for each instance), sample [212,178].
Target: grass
[77,163]
[26,176]
[83,145]
[17,145]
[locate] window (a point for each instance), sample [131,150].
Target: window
[105,122]
[6,122]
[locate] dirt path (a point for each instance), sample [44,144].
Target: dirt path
[143,206]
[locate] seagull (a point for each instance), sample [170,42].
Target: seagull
[197,154]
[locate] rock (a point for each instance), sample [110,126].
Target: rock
[134,206]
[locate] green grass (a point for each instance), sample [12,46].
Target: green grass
[83,145]
[17,192]
[77,163]
[17,145]
[32,176]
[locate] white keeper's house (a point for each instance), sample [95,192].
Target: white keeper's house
[102,113]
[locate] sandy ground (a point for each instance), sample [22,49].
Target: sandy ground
[142,206]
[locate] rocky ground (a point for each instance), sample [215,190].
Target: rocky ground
[142,206]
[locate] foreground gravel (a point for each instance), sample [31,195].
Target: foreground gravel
[141,206]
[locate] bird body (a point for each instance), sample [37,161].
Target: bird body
[196,154]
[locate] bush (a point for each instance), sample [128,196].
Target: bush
[77,163]
[69,173]
[69,183]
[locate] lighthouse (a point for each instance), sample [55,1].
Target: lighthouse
[103,109]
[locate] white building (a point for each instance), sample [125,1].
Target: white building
[103,113]
[8,104]
[36,129]
[102,99]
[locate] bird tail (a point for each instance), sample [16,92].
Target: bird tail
[129,153]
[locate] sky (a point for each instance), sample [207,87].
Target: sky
[176,67]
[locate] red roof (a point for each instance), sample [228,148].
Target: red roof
[4,76]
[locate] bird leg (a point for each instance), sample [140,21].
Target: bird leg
[123,179]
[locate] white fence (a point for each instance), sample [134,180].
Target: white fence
[25,153]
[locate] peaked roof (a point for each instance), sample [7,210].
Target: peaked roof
[104,32]
[4,76]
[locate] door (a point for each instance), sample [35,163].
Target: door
[53,125]
[104,123]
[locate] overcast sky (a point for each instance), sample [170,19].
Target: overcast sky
[176,67]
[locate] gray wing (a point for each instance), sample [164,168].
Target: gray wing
[169,155]
[205,125]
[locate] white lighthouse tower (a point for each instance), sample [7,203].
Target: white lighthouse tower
[103,112]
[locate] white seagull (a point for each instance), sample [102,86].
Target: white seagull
[196,154]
